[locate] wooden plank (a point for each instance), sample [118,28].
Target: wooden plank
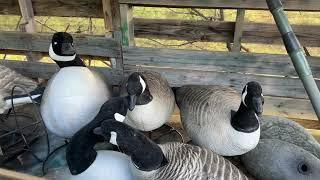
[46,70]
[27,24]
[72,8]
[221,31]
[283,107]
[107,16]
[293,5]
[92,8]
[39,42]
[315,134]
[261,64]
[238,29]
[126,14]
[296,109]
[112,22]
[8,174]
[272,86]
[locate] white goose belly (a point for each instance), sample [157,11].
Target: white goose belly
[150,116]
[224,141]
[72,99]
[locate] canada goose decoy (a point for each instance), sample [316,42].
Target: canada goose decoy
[273,159]
[10,79]
[153,97]
[84,161]
[210,117]
[171,161]
[74,94]
[283,129]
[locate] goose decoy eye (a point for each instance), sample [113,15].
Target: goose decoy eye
[303,168]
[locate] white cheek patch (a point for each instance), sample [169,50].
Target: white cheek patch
[143,84]
[244,94]
[56,57]
[256,116]
[119,117]
[113,138]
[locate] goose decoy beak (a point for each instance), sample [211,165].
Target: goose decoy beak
[67,49]
[257,105]
[132,102]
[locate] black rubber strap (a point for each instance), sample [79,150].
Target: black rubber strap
[291,42]
[274,4]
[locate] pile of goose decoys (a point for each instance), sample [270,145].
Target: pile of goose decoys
[77,105]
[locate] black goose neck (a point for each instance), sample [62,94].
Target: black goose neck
[80,153]
[245,120]
[76,62]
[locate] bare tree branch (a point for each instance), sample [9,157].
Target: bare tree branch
[306,51]
[198,13]
[45,25]
[173,45]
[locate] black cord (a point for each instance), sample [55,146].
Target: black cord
[18,126]
[19,129]
[44,162]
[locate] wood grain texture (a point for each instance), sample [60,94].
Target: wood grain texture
[46,70]
[272,86]
[299,110]
[300,5]
[274,65]
[27,24]
[72,8]
[182,67]
[126,14]
[238,30]
[39,42]
[93,8]
[221,31]
[8,174]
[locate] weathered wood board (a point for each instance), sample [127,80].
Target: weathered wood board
[295,5]
[275,72]
[39,42]
[93,8]
[206,31]
[12,175]
[45,70]
[250,63]
[72,8]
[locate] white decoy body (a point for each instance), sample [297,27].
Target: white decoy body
[84,162]
[206,115]
[107,165]
[170,161]
[74,94]
[153,97]
[9,79]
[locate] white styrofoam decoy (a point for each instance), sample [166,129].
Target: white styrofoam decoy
[74,94]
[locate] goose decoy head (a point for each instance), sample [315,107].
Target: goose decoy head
[252,97]
[61,47]
[145,154]
[138,90]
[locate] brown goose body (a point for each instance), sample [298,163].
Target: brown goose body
[188,162]
[206,116]
[157,112]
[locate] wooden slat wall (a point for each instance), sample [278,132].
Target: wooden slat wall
[294,5]
[46,70]
[39,42]
[198,67]
[278,106]
[221,31]
[71,8]
[93,8]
